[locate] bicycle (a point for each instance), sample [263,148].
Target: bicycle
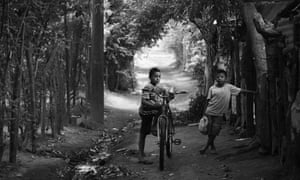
[166,130]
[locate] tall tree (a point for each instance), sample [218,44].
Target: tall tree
[31,77]
[258,48]
[97,58]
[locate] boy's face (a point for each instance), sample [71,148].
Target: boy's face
[220,79]
[155,78]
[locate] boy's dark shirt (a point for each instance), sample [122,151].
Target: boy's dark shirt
[151,93]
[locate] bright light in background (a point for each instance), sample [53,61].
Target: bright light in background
[156,56]
[120,101]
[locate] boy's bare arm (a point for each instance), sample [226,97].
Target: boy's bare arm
[205,106]
[248,91]
[150,103]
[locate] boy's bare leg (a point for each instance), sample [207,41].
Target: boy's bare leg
[142,155]
[212,147]
[142,140]
[209,141]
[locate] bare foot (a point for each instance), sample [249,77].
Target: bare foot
[202,151]
[213,151]
[144,161]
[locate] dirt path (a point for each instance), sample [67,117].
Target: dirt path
[187,163]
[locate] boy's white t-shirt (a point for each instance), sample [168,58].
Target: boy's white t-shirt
[219,98]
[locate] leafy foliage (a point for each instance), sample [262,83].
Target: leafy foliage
[196,107]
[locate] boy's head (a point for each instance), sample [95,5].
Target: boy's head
[221,77]
[154,75]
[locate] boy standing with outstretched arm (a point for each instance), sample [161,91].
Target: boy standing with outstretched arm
[218,99]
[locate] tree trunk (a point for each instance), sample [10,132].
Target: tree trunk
[60,100]
[52,110]
[2,116]
[259,53]
[15,115]
[67,59]
[51,114]
[273,70]
[16,102]
[209,79]
[248,72]
[32,107]
[97,95]
[75,74]
[237,81]
[43,109]
[3,73]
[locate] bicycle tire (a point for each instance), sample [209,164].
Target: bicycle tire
[162,141]
[169,146]
[170,134]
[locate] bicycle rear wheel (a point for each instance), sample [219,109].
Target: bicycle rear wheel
[162,141]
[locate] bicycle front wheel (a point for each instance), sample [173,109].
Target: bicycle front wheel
[170,134]
[162,141]
[169,145]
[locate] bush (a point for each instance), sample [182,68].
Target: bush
[196,107]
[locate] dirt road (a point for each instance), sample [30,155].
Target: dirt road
[187,163]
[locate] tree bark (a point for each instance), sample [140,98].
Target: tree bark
[260,60]
[75,72]
[51,112]
[273,55]
[97,95]
[237,81]
[248,72]
[16,101]
[60,99]
[32,107]
[43,109]
[3,74]
[67,71]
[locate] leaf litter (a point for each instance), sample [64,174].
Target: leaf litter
[93,162]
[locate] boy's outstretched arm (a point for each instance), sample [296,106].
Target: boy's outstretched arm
[248,91]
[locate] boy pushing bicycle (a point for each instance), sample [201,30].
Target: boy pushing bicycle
[150,109]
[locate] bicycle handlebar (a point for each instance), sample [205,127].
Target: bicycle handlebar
[174,93]
[180,92]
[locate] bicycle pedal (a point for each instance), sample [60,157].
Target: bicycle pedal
[177,141]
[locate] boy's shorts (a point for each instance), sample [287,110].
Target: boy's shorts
[215,124]
[147,116]
[146,124]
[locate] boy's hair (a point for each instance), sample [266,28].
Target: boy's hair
[221,71]
[153,70]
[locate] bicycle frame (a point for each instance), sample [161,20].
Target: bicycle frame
[164,116]
[165,131]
